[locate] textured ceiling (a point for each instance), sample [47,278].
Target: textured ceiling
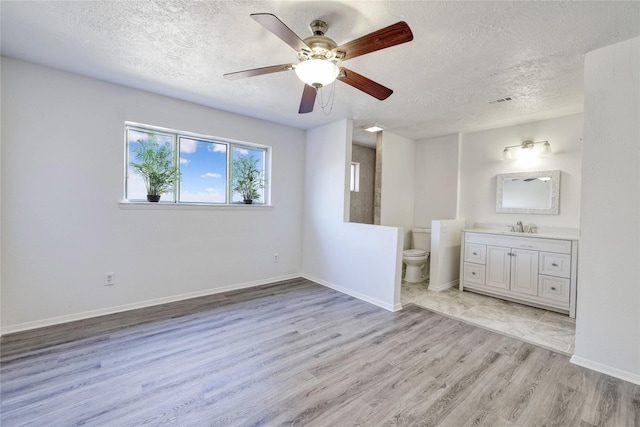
[464,55]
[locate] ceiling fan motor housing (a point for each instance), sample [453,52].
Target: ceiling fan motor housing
[320,47]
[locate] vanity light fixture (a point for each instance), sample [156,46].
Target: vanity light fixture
[373,128]
[527,145]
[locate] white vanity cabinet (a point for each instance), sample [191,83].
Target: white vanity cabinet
[512,269]
[534,270]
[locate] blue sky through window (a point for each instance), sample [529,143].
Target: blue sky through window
[204,171]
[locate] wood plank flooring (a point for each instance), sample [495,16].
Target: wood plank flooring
[296,353]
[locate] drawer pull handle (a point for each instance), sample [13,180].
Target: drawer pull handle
[554,264]
[475,253]
[473,273]
[553,288]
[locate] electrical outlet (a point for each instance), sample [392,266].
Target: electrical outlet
[109,279]
[275,258]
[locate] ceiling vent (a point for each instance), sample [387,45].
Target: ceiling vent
[505,99]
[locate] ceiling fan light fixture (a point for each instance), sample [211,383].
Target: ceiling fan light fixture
[317,72]
[318,57]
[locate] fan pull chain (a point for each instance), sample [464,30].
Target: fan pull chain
[330,100]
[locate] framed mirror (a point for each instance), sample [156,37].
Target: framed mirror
[528,192]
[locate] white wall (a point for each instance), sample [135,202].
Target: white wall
[62,178]
[480,162]
[444,265]
[357,259]
[436,179]
[0,210]
[608,306]
[398,160]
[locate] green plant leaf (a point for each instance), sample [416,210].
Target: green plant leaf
[248,180]
[156,166]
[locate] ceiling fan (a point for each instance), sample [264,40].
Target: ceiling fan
[319,56]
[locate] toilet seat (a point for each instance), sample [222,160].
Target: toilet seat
[414,253]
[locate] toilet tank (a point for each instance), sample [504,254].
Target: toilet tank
[421,238]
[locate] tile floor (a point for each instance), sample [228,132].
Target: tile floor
[544,328]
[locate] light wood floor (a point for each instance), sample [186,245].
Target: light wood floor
[296,353]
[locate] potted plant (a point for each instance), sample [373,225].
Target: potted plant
[155,165]
[247,178]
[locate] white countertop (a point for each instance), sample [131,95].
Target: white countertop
[512,233]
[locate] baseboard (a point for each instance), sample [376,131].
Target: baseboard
[366,298]
[126,307]
[606,369]
[443,287]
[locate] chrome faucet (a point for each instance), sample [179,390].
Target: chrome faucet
[520,228]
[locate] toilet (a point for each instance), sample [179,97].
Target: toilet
[416,259]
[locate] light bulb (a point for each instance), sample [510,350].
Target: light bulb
[317,72]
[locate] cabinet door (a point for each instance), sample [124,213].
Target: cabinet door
[524,271]
[498,267]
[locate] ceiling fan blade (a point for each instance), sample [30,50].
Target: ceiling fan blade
[258,71]
[308,99]
[392,35]
[364,84]
[277,27]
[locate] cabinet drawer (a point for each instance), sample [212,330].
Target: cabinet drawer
[475,253]
[553,288]
[553,264]
[473,273]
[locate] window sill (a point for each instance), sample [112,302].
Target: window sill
[192,206]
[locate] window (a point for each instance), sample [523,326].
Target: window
[205,164]
[355,176]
